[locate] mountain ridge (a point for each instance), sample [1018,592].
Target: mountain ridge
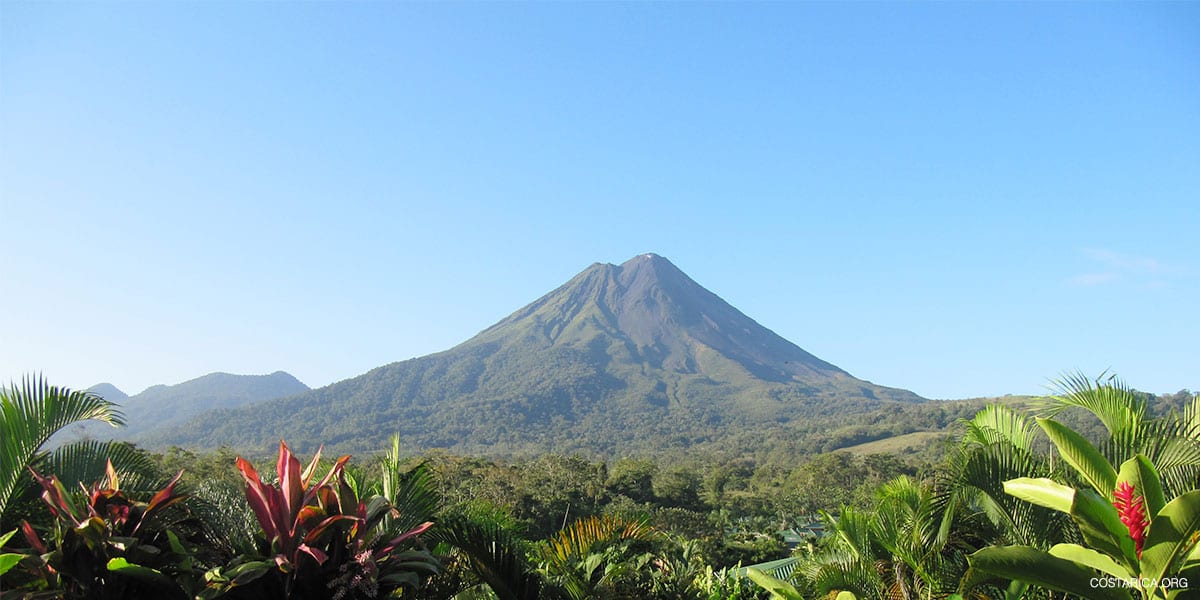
[164,405]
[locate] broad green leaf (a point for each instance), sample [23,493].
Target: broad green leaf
[1140,473]
[1192,559]
[176,545]
[1102,528]
[124,567]
[1081,454]
[8,561]
[851,596]
[1191,575]
[1090,558]
[247,572]
[1016,590]
[1024,563]
[777,587]
[1042,492]
[1172,536]
[4,538]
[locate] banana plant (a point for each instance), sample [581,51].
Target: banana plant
[1134,541]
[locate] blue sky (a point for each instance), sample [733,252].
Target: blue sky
[961,199]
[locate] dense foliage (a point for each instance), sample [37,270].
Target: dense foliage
[1029,499]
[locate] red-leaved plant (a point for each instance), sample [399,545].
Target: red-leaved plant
[284,511]
[107,546]
[321,537]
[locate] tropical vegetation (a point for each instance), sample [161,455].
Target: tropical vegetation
[1093,492]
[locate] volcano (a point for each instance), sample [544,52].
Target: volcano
[636,356]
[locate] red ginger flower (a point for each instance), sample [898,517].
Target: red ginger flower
[1132,510]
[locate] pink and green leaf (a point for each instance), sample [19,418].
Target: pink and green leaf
[388,547]
[312,467]
[31,536]
[316,553]
[164,498]
[337,467]
[315,532]
[258,495]
[290,484]
[55,496]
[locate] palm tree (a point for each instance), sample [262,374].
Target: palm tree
[497,557]
[915,534]
[1002,444]
[999,445]
[29,415]
[1127,509]
[1171,443]
[909,547]
[587,559]
[845,559]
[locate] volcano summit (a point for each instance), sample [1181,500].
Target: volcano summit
[630,356]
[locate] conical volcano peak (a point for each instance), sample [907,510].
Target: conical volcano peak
[648,312]
[636,354]
[651,270]
[643,258]
[649,260]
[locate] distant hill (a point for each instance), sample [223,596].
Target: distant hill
[624,358]
[109,392]
[166,405]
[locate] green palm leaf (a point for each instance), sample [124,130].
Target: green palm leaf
[84,461]
[30,414]
[496,556]
[1000,423]
[1082,455]
[1117,406]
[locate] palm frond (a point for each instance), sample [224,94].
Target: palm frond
[974,479]
[84,461]
[1172,443]
[998,423]
[32,412]
[228,524]
[496,556]
[580,537]
[414,495]
[1117,405]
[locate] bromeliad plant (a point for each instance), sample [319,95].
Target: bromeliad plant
[106,546]
[320,541]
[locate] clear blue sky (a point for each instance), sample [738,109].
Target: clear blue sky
[961,199]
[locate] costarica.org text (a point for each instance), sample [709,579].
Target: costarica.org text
[1144,583]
